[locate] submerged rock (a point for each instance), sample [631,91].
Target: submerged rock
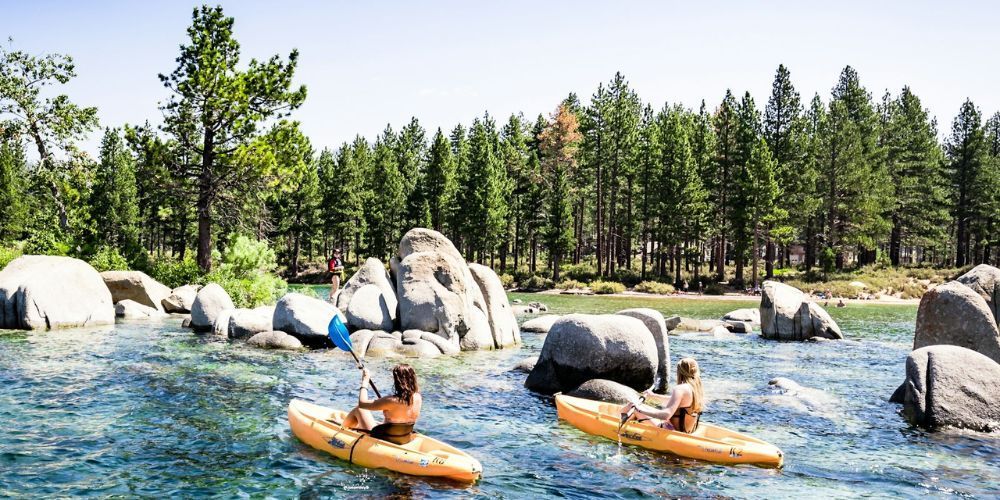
[605,390]
[952,386]
[541,324]
[211,301]
[581,347]
[785,314]
[137,287]
[130,309]
[41,291]
[747,315]
[526,364]
[275,340]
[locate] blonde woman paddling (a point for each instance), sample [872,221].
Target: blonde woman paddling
[683,410]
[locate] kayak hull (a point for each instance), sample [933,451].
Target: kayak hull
[709,442]
[318,427]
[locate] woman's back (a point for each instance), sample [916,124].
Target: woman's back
[402,413]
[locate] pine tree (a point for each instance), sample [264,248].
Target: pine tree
[411,157]
[13,174]
[966,150]
[439,183]
[516,156]
[487,185]
[764,193]
[559,143]
[387,204]
[725,164]
[458,216]
[783,129]
[918,211]
[747,137]
[114,198]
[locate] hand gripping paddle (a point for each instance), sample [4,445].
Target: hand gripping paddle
[337,331]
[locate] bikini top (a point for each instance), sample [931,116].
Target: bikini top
[681,414]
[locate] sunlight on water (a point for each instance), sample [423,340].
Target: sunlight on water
[152,410]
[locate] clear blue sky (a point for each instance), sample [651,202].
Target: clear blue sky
[371,63]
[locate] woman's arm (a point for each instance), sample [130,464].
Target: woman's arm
[668,410]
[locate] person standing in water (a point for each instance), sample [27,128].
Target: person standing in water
[683,410]
[336,268]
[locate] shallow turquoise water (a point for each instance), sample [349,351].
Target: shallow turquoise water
[153,410]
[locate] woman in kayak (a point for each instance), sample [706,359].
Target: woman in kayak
[683,409]
[401,410]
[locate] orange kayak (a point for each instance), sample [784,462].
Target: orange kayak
[424,456]
[709,442]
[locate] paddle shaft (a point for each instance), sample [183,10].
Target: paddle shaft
[629,415]
[362,365]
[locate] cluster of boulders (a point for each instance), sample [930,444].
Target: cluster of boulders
[787,314]
[598,356]
[431,302]
[953,372]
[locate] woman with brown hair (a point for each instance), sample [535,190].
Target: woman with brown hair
[401,410]
[683,410]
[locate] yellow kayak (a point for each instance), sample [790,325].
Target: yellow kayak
[709,442]
[423,456]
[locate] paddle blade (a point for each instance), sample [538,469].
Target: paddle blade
[337,331]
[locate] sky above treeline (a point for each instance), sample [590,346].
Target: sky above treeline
[367,64]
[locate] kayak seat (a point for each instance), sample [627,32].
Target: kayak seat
[394,432]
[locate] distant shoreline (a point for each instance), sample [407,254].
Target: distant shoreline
[735,297]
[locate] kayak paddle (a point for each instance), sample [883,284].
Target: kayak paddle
[337,331]
[627,416]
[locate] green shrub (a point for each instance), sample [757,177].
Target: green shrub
[535,283]
[174,272]
[580,272]
[109,259]
[522,274]
[8,254]
[253,291]
[570,285]
[506,280]
[655,287]
[245,256]
[606,287]
[714,289]
[629,277]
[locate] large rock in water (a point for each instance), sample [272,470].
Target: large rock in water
[377,309]
[245,323]
[181,299]
[985,280]
[136,286]
[503,324]
[305,318]
[41,291]
[785,314]
[437,292]
[657,326]
[748,315]
[371,309]
[211,300]
[581,347]
[951,386]
[953,313]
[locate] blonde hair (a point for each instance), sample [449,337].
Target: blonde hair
[688,372]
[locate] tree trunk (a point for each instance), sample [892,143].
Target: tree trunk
[205,204]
